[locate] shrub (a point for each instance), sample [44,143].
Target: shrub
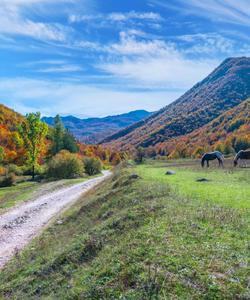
[65,165]
[92,165]
[139,155]
[12,168]
[2,154]
[3,171]
[8,180]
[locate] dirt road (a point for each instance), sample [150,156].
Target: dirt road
[21,224]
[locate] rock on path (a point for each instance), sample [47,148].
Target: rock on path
[21,224]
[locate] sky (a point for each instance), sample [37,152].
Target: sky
[92,58]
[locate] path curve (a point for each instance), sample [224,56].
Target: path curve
[21,224]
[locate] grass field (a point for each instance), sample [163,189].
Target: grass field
[228,187]
[11,196]
[156,237]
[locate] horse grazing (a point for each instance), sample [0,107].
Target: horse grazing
[242,154]
[212,156]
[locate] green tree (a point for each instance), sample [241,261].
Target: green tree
[57,136]
[69,142]
[33,132]
[62,139]
[139,155]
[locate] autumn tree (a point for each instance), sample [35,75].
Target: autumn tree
[33,132]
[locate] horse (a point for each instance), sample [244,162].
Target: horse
[212,156]
[242,154]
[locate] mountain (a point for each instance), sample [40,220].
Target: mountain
[93,130]
[224,131]
[10,141]
[227,86]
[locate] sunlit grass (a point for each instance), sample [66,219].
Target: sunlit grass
[144,238]
[227,186]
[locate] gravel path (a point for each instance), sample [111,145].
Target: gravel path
[21,224]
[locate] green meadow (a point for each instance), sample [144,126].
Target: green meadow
[224,186]
[153,237]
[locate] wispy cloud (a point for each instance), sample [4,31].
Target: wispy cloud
[207,43]
[13,20]
[61,69]
[231,11]
[129,45]
[66,98]
[155,63]
[116,17]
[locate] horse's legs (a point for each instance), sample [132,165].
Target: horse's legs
[221,163]
[208,163]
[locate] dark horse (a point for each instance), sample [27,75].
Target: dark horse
[241,155]
[212,156]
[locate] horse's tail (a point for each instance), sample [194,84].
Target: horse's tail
[237,156]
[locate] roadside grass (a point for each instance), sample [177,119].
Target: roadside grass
[25,191]
[138,239]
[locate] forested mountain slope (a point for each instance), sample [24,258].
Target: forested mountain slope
[229,132]
[227,86]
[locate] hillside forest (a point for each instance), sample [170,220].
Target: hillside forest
[29,147]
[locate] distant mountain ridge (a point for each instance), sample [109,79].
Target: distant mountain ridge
[227,86]
[93,130]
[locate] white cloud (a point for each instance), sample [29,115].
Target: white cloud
[117,17]
[155,63]
[229,11]
[129,45]
[207,43]
[164,71]
[134,15]
[66,98]
[61,69]
[14,21]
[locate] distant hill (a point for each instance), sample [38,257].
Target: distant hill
[226,130]
[10,142]
[227,86]
[93,130]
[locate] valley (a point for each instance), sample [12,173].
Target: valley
[144,238]
[124,150]
[94,130]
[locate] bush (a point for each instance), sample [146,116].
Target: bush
[12,168]
[8,180]
[65,165]
[3,171]
[92,165]
[139,155]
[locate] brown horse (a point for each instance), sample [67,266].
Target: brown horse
[212,156]
[242,154]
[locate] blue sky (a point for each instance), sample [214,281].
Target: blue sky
[103,57]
